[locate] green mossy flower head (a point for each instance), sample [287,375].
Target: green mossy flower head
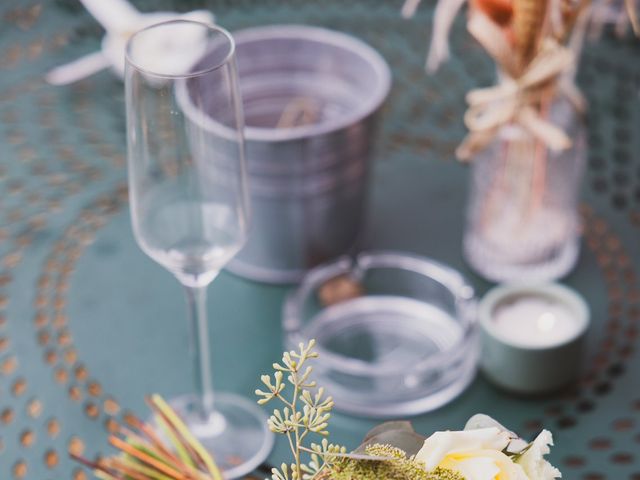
[398,467]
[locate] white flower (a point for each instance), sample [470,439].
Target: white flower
[533,462]
[475,454]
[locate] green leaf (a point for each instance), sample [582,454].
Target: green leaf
[177,446]
[408,441]
[139,467]
[388,427]
[188,437]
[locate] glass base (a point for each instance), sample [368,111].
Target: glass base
[493,266]
[236,434]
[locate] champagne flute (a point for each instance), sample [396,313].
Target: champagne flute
[189,202]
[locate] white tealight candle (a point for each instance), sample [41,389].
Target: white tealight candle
[535,321]
[532,336]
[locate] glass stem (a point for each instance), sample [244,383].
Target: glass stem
[197,301]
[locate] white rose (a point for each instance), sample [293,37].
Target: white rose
[533,462]
[474,454]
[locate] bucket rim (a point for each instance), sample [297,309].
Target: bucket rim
[324,35]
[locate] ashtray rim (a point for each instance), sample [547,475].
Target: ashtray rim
[451,279]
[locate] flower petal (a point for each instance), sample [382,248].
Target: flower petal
[533,462]
[441,444]
[474,468]
[484,465]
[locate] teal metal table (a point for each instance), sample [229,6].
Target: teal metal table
[89,324]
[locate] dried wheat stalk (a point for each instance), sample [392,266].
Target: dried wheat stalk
[528,20]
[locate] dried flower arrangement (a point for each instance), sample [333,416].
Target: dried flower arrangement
[484,450]
[526,134]
[534,44]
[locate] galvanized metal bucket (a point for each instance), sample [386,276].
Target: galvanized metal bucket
[308,183]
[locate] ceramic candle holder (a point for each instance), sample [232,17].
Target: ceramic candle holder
[532,336]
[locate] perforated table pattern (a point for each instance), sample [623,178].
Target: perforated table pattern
[89,325]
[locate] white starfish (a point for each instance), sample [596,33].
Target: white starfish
[120,20]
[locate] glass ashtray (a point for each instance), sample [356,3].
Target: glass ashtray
[395,332]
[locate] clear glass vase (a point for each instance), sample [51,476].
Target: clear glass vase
[523,222]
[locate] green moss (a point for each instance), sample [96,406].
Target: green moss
[399,468]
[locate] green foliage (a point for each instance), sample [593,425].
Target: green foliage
[303,413]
